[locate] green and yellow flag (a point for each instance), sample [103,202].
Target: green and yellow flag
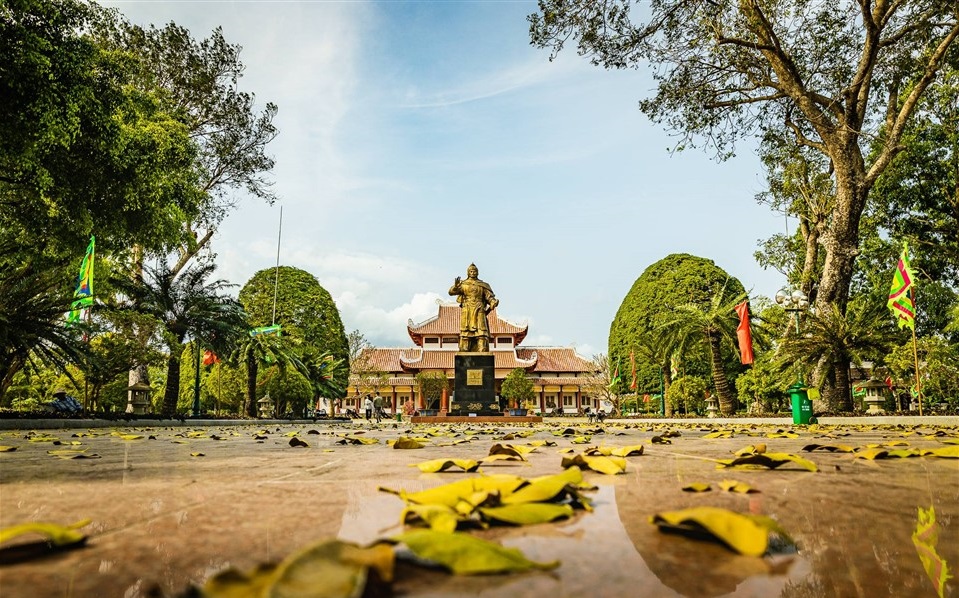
[900,299]
[83,295]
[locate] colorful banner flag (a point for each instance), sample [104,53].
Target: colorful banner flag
[673,367]
[900,300]
[275,329]
[615,379]
[83,295]
[744,334]
[632,363]
[209,357]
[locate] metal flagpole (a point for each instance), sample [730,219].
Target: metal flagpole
[915,349]
[276,279]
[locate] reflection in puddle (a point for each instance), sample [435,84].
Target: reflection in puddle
[596,553]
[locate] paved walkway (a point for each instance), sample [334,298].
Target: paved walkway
[163,518]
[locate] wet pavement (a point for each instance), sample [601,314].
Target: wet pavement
[164,517]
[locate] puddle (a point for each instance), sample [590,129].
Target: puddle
[596,555]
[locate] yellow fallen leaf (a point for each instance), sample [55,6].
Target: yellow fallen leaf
[608,465]
[545,488]
[872,454]
[407,443]
[130,437]
[439,518]
[926,539]
[766,460]
[501,457]
[839,448]
[7,449]
[734,486]
[464,554]
[581,439]
[752,449]
[527,513]
[437,465]
[719,434]
[633,450]
[946,452]
[697,487]
[739,532]
[197,455]
[56,534]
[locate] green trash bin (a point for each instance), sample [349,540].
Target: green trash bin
[802,406]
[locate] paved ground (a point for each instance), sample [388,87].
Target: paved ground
[163,519]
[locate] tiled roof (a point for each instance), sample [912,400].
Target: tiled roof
[445,360]
[556,359]
[539,360]
[561,381]
[447,323]
[379,360]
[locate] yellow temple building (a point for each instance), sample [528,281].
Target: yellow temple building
[560,377]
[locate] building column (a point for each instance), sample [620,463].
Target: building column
[445,400]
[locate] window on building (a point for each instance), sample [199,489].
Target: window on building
[504,340]
[450,340]
[569,401]
[431,340]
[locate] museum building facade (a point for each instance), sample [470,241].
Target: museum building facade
[560,376]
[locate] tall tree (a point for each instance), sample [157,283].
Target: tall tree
[186,305]
[836,75]
[677,279]
[713,325]
[865,332]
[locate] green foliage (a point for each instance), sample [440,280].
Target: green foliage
[303,307]
[939,369]
[688,393]
[677,279]
[81,150]
[290,390]
[762,387]
[517,388]
[864,333]
[432,384]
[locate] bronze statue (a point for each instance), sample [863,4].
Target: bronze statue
[476,300]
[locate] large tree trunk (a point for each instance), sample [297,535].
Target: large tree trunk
[727,402]
[171,394]
[842,241]
[842,393]
[667,380]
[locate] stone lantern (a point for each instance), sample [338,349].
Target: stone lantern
[138,398]
[874,395]
[712,406]
[265,406]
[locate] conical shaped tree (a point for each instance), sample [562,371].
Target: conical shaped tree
[693,325]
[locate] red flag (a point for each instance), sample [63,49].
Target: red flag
[209,358]
[888,382]
[632,362]
[744,334]
[646,398]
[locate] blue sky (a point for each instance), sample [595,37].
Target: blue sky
[418,137]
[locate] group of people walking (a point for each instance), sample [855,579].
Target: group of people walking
[374,408]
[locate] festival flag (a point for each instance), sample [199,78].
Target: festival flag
[209,357]
[900,300]
[646,398]
[673,367]
[889,383]
[275,329]
[744,333]
[632,363]
[615,379]
[83,295]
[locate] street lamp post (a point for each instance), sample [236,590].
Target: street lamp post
[794,301]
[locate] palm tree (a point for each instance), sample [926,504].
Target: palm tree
[185,305]
[692,326]
[33,302]
[254,350]
[836,340]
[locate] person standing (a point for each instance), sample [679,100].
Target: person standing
[368,407]
[378,407]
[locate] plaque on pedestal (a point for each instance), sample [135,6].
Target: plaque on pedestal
[474,389]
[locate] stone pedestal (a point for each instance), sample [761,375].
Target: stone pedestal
[474,385]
